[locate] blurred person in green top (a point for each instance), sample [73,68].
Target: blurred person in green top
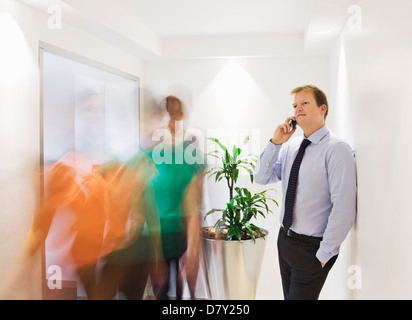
[177,192]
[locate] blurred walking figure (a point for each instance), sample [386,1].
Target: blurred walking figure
[111,213]
[126,269]
[177,192]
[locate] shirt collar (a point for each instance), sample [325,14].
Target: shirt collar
[318,135]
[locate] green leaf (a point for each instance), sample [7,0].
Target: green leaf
[230,234]
[211,169]
[213,151]
[238,232]
[262,214]
[237,215]
[236,152]
[219,173]
[235,174]
[258,230]
[250,171]
[217,156]
[246,163]
[219,143]
[252,235]
[213,211]
[227,158]
[212,174]
[218,226]
[247,194]
[230,212]
[248,230]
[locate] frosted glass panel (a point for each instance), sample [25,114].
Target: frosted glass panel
[90,116]
[87,110]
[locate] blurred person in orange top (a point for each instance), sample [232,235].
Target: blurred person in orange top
[126,269]
[87,211]
[102,210]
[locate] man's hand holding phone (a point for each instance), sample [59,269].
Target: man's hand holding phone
[284,131]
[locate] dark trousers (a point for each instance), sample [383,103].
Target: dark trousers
[302,274]
[130,280]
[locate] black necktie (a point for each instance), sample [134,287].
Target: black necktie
[291,192]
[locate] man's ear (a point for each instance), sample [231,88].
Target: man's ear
[323,108]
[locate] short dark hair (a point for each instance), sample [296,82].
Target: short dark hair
[320,96]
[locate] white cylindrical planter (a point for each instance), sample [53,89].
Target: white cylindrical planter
[232,268]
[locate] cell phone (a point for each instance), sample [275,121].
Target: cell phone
[293,124]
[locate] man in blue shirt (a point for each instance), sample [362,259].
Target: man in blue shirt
[324,207]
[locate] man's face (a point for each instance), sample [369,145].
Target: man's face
[307,113]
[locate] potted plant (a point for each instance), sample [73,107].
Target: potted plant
[234,246]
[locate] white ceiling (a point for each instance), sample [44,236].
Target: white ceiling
[173,29]
[171,18]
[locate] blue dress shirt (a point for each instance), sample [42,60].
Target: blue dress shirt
[326,192]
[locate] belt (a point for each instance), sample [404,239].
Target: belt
[292,234]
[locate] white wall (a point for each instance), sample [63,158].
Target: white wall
[230,98]
[375,82]
[21,29]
